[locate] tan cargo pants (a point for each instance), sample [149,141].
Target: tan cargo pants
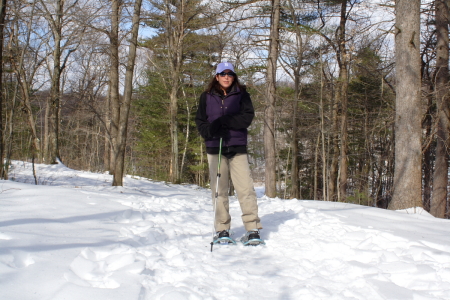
[239,170]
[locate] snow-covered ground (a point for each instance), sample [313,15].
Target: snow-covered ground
[76,237]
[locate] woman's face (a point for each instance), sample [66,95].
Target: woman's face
[225,81]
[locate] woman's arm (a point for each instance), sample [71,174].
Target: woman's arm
[244,118]
[201,119]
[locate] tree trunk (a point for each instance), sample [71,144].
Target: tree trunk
[176,34]
[114,82]
[174,164]
[3,168]
[316,167]
[51,142]
[334,148]
[36,145]
[295,184]
[269,114]
[428,155]
[440,176]
[295,153]
[342,98]
[325,183]
[128,93]
[53,104]
[408,131]
[107,137]
[186,143]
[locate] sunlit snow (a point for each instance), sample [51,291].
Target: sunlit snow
[75,237]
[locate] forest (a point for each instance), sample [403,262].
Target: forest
[351,96]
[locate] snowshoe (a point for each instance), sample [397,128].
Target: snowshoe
[252,238]
[223,238]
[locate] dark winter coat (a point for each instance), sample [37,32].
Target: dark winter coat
[238,108]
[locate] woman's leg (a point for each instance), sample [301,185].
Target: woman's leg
[243,183]
[223,218]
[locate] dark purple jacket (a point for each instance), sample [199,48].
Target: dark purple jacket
[237,104]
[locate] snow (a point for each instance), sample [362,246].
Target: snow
[76,237]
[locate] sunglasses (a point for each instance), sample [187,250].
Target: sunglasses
[223,74]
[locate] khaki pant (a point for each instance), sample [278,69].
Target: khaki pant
[239,169]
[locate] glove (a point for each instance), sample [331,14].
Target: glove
[223,133]
[219,126]
[226,120]
[215,126]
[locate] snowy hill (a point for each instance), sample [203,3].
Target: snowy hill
[76,237]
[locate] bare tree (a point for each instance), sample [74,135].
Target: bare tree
[58,16]
[340,104]
[408,150]
[124,109]
[24,59]
[296,64]
[25,64]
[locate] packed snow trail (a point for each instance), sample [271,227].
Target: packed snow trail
[76,237]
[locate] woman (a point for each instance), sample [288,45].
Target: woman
[224,113]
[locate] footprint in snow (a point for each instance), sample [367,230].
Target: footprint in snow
[20,259]
[101,268]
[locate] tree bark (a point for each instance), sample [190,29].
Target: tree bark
[114,81]
[334,148]
[408,131]
[342,99]
[295,191]
[3,168]
[269,114]
[428,154]
[440,176]
[325,183]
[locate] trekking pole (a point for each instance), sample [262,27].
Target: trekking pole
[216,195]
